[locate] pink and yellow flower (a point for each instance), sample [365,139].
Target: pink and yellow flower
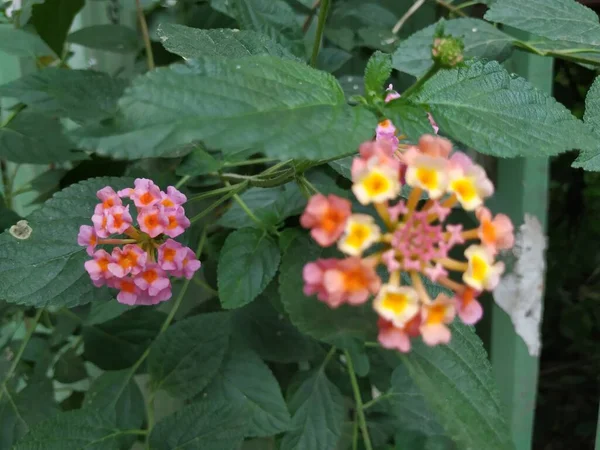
[397,304]
[468,182]
[482,272]
[87,238]
[435,318]
[496,233]
[326,218]
[361,232]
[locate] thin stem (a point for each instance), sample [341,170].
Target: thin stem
[328,357]
[149,417]
[323,11]
[249,162]
[212,193]
[355,433]
[310,16]
[467,4]
[362,421]
[14,113]
[246,209]
[413,9]
[236,190]
[181,182]
[421,81]
[451,8]
[19,354]
[145,34]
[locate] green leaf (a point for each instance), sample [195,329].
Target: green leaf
[17,42]
[557,20]
[245,381]
[590,160]
[206,425]
[273,18]
[199,162]
[482,40]
[409,119]
[318,415]
[52,20]
[296,112]
[82,95]
[270,333]
[486,108]
[378,71]
[19,412]
[192,43]
[270,205]
[457,383]
[185,358]
[343,166]
[118,343]
[47,268]
[308,314]
[7,216]
[69,368]
[73,430]
[103,311]
[37,139]
[109,37]
[117,395]
[258,254]
[332,59]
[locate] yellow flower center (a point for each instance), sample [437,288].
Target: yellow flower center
[358,234]
[376,183]
[479,268]
[436,314]
[395,302]
[428,178]
[464,188]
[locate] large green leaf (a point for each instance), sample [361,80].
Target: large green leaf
[191,43]
[118,343]
[590,160]
[245,381]
[17,42]
[206,425]
[482,40]
[69,368]
[377,72]
[311,316]
[558,20]
[185,358]
[270,205]
[110,37]
[285,107]
[486,108]
[269,333]
[20,411]
[82,95]
[258,254]
[47,268]
[409,119]
[457,383]
[37,139]
[52,20]
[318,415]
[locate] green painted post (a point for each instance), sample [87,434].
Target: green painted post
[522,188]
[597,446]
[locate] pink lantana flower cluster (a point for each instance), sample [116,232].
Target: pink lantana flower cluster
[415,239]
[141,268]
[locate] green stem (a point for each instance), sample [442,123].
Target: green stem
[14,113]
[355,433]
[236,190]
[181,182]
[362,421]
[212,193]
[451,8]
[421,81]
[19,354]
[145,34]
[246,209]
[323,11]
[249,162]
[467,4]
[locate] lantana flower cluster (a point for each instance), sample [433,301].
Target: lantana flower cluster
[414,238]
[140,265]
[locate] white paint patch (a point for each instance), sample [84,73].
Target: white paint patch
[520,293]
[21,230]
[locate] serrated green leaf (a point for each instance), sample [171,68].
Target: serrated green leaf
[52,20]
[258,254]
[82,95]
[343,166]
[21,411]
[206,425]
[270,205]
[332,59]
[103,311]
[590,160]
[245,381]
[486,108]
[378,71]
[457,383]
[69,368]
[270,333]
[482,40]
[118,343]
[285,107]
[22,43]
[557,20]
[73,430]
[318,415]
[199,162]
[37,139]
[117,395]
[409,119]
[47,268]
[185,358]
[109,37]
[192,43]
[308,314]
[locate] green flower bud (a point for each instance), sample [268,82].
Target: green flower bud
[447,51]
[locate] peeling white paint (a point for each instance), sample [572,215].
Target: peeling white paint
[21,230]
[520,293]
